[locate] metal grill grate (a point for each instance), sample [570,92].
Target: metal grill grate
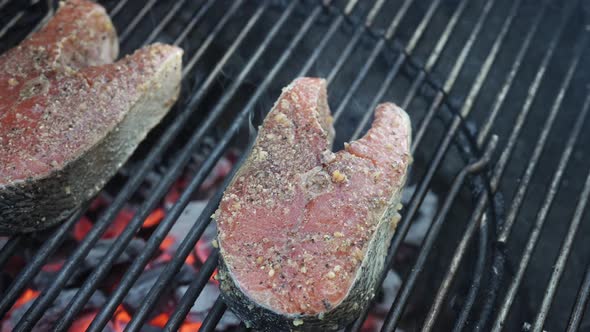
[463,69]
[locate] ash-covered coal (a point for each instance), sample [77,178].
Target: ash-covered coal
[145,282]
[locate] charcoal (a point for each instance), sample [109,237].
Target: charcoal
[206,299]
[187,219]
[96,255]
[426,215]
[54,313]
[205,302]
[145,282]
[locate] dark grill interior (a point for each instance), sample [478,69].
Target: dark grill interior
[498,94]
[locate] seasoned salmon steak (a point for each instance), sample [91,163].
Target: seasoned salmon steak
[63,138]
[303,231]
[80,34]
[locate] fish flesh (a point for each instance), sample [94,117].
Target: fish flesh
[62,138]
[303,232]
[80,34]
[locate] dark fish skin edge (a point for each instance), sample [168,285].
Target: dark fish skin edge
[29,206]
[361,291]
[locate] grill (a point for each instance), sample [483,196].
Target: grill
[502,247]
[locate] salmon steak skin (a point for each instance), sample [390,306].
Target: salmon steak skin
[303,232]
[61,141]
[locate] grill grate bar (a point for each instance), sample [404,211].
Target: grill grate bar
[214,316]
[451,79]
[3,3]
[522,189]
[353,41]
[403,295]
[581,302]
[34,266]
[194,21]
[376,51]
[322,45]
[459,64]
[478,272]
[542,215]
[45,19]
[193,291]
[133,24]
[434,55]
[498,172]
[11,23]
[115,11]
[565,249]
[171,14]
[501,98]
[213,35]
[499,260]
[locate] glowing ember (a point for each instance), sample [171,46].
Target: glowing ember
[154,218]
[213,277]
[174,194]
[121,318]
[190,259]
[190,327]
[160,320]
[82,227]
[27,296]
[82,323]
[119,224]
[167,243]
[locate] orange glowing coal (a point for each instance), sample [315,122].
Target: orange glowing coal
[167,243]
[190,259]
[25,297]
[154,218]
[119,224]
[122,318]
[160,320]
[213,277]
[190,327]
[81,324]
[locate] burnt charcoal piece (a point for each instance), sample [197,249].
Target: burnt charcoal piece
[99,250]
[64,138]
[303,231]
[53,314]
[144,283]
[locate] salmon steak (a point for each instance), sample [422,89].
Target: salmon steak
[303,232]
[63,137]
[80,34]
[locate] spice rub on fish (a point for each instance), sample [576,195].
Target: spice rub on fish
[64,139]
[303,231]
[80,34]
